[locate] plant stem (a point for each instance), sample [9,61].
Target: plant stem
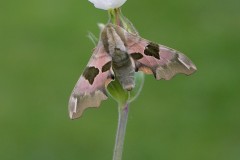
[122,123]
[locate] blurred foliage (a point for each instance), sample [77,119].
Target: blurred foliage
[44,48]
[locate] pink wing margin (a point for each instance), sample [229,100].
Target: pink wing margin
[85,94]
[168,63]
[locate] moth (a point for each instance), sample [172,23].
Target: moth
[119,54]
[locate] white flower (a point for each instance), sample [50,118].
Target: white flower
[107,4]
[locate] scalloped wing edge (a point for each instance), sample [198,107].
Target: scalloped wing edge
[77,104]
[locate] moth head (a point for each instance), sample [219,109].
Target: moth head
[113,37]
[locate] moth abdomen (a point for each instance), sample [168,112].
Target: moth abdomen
[124,69]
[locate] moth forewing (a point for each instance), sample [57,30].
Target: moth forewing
[157,59]
[187,62]
[173,62]
[90,88]
[79,103]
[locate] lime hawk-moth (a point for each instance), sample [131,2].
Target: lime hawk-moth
[119,54]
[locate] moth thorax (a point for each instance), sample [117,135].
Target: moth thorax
[120,58]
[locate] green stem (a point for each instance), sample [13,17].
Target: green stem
[115,89]
[116,17]
[122,123]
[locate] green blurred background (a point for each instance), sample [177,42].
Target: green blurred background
[44,49]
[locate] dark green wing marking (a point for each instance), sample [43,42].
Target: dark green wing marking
[136,56]
[106,66]
[90,73]
[152,49]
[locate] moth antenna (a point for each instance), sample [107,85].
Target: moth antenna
[93,38]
